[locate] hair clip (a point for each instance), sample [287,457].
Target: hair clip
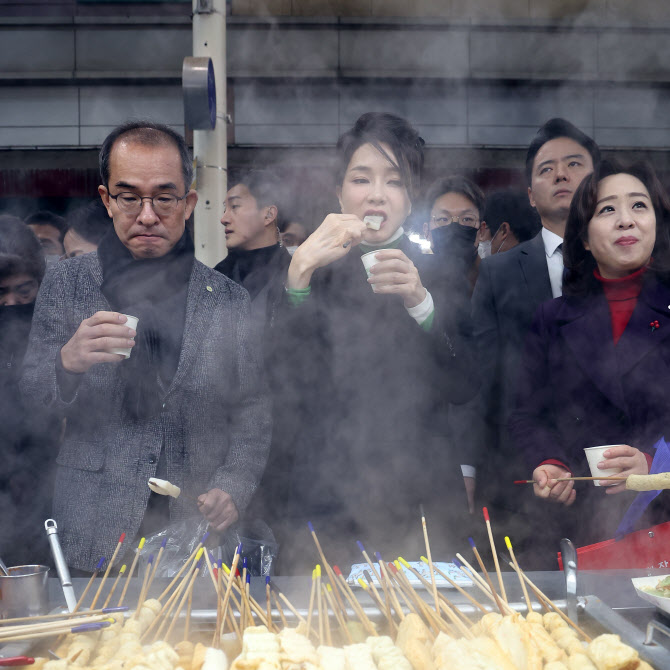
[654,325]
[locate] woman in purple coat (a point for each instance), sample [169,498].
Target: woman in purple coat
[597,361]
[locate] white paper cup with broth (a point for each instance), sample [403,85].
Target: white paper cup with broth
[369,260]
[594,455]
[131,322]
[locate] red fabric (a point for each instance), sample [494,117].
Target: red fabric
[621,294]
[553,461]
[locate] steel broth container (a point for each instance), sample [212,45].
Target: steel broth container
[24,591]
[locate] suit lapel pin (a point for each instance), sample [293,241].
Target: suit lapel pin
[209,288]
[654,325]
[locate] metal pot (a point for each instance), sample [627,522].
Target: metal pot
[24,591]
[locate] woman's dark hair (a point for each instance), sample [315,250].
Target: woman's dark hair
[377,128]
[455,184]
[579,263]
[20,250]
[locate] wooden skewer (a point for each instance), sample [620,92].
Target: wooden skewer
[480,582]
[143,589]
[415,603]
[326,621]
[453,611]
[167,607]
[431,617]
[430,559]
[183,568]
[575,479]
[9,631]
[63,615]
[486,575]
[310,608]
[218,585]
[391,590]
[109,567]
[130,572]
[268,605]
[495,554]
[88,586]
[319,603]
[282,616]
[286,602]
[156,563]
[188,591]
[338,615]
[385,609]
[537,592]
[50,633]
[328,569]
[462,591]
[252,601]
[384,586]
[166,612]
[189,608]
[353,601]
[229,585]
[116,581]
[508,544]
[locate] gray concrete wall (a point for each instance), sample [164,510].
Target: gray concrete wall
[484,73]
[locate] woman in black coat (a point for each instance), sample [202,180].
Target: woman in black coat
[597,359]
[375,360]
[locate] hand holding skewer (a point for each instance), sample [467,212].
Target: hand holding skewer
[545,485]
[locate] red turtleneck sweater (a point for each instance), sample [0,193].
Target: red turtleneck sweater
[621,294]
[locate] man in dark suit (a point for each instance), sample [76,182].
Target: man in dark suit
[510,287]
[187,403]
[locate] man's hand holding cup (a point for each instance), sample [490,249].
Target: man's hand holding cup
[96,341]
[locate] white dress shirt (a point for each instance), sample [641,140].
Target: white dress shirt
[554,261]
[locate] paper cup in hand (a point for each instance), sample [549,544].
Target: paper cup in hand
[131,322]
[594,455]
[368,261]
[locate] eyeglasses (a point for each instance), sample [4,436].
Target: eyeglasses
[465,220]
[131,203]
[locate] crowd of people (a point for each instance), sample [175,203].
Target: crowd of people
[336,372]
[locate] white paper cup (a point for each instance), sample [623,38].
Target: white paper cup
[131,322]
[594,455]
[369,260]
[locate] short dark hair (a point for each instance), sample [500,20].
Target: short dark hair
[553,129]
[91,222]
[150,134]
[377,128]
[45,218]
[266,189]
[20,250]
[580,263]
[455,184]
[514,208]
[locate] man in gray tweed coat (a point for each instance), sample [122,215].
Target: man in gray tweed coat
[189,404]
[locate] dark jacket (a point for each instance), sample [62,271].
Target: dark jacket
[510,287]
[375,388]
[576,389]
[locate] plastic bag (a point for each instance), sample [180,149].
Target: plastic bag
[181,539]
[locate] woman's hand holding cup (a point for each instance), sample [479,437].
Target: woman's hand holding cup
[394,273]
[546,487]
[630,460]
[332,240]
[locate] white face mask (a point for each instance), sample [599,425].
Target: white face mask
[484,249]
[291,250]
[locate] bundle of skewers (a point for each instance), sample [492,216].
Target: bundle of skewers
[408,632]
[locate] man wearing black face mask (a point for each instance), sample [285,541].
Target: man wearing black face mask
[455,208]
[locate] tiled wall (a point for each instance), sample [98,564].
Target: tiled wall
[65,82]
